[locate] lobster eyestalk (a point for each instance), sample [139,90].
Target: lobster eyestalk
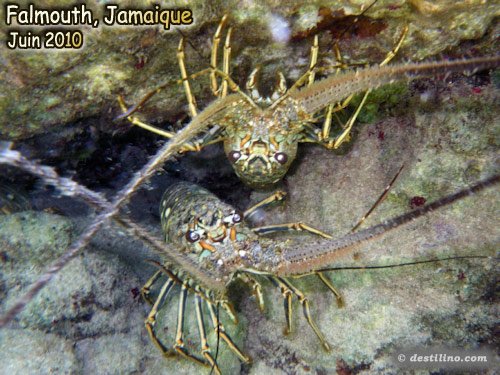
[316,255]
[333,89]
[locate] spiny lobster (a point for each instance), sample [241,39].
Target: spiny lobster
[212,235]
[261,135]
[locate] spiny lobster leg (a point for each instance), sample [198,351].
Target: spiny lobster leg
[213,56]
[324,137]
[227,82]
[256,288]
[178,347]
[228,307]
[146,289]
[225,62]
[222,90]
[310,74]
[219,330]
[333,108]
[287,303]
[347,129]
[130,111]
[151,319]
[288,227]
[277,196]
[213,71]
[179,340]
[314,60]
[185,80]
[205,348]
[329,285]
[300,227]
[287,290]
[135,121]
[210,137]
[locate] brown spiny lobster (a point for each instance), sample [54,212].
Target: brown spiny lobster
[261,135]
[212,235]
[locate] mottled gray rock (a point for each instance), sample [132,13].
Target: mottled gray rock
[110,354]
[26,352]
[88,305]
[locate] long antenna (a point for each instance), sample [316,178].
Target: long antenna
[379,200]
[355,20]
[405,264]
[318,253]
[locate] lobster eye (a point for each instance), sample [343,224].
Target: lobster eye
[234,156]
[237,217]
[234,218]
[281,157]
[192,236]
